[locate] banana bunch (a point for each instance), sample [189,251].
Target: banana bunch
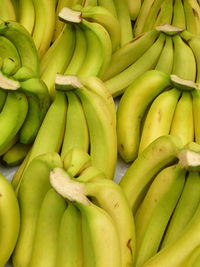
[184,14]
[86,211]
[82,116]
[163,186]
[156,104]
[160,48]
[9,220]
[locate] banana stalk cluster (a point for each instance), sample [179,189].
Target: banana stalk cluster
[71,215]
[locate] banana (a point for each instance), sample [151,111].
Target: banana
[178,19]
[70,247]
[193,41]
[159,117]
[165,61]
[90,173]
[184,67]
[97,225]
[15,155]
[46,235]
[44,24]
[23,42]
[59,25]
[86,3]
[76,161]
[23,74]
[12,117]
[98,86]
[34,186]
[119,82]
[9,66]
[79,54]
[26,14]
[7,11]
[185,209]
[12,142]
[109,5]
[134,8]
[129,53]
[124,19]
[32,122]
[165,13]
[154,212]
[155,157]
[9,220]
[129,117]
[76,129]
[3,96]
[50,134]
[58,57]
[102,16]
[196,114]
[177,253]
[193,258]
[182,123]
[153,15]
[8,50]
[192,16]
[100,125]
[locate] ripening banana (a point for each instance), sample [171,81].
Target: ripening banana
[182,123]
[118,83]
[7,11]
[47,230]
[69,242]
[109,5]
[185,209]
[192,16]
[9,220]
[159,117]
[155,157]
[50,134]
[154,212]
[196,114]
[193,259]
[178,19]
[76,129]
[165,14]
[129,53]
[165,61]
[26,16]
[141,92]
[134,8]
[98,227]
[34,186]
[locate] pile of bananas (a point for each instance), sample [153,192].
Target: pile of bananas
[81,82]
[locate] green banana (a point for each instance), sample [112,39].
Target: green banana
[46,235]
[70,247]
[9,220]
[196,114]
[148,61]
[23,74]
[182,123]
[165,13]
[34,186]
[159,117]
[155,157]
[3,96]
[15,155]
[165,61]
[97,225]
[9,66]
[154,212]
[193,258]
[129,53]
[134,8]
[185,209]
[109,5]
[12,117]
[76,129]
[7,11]
[23,42]
[129,116]
[8,50]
